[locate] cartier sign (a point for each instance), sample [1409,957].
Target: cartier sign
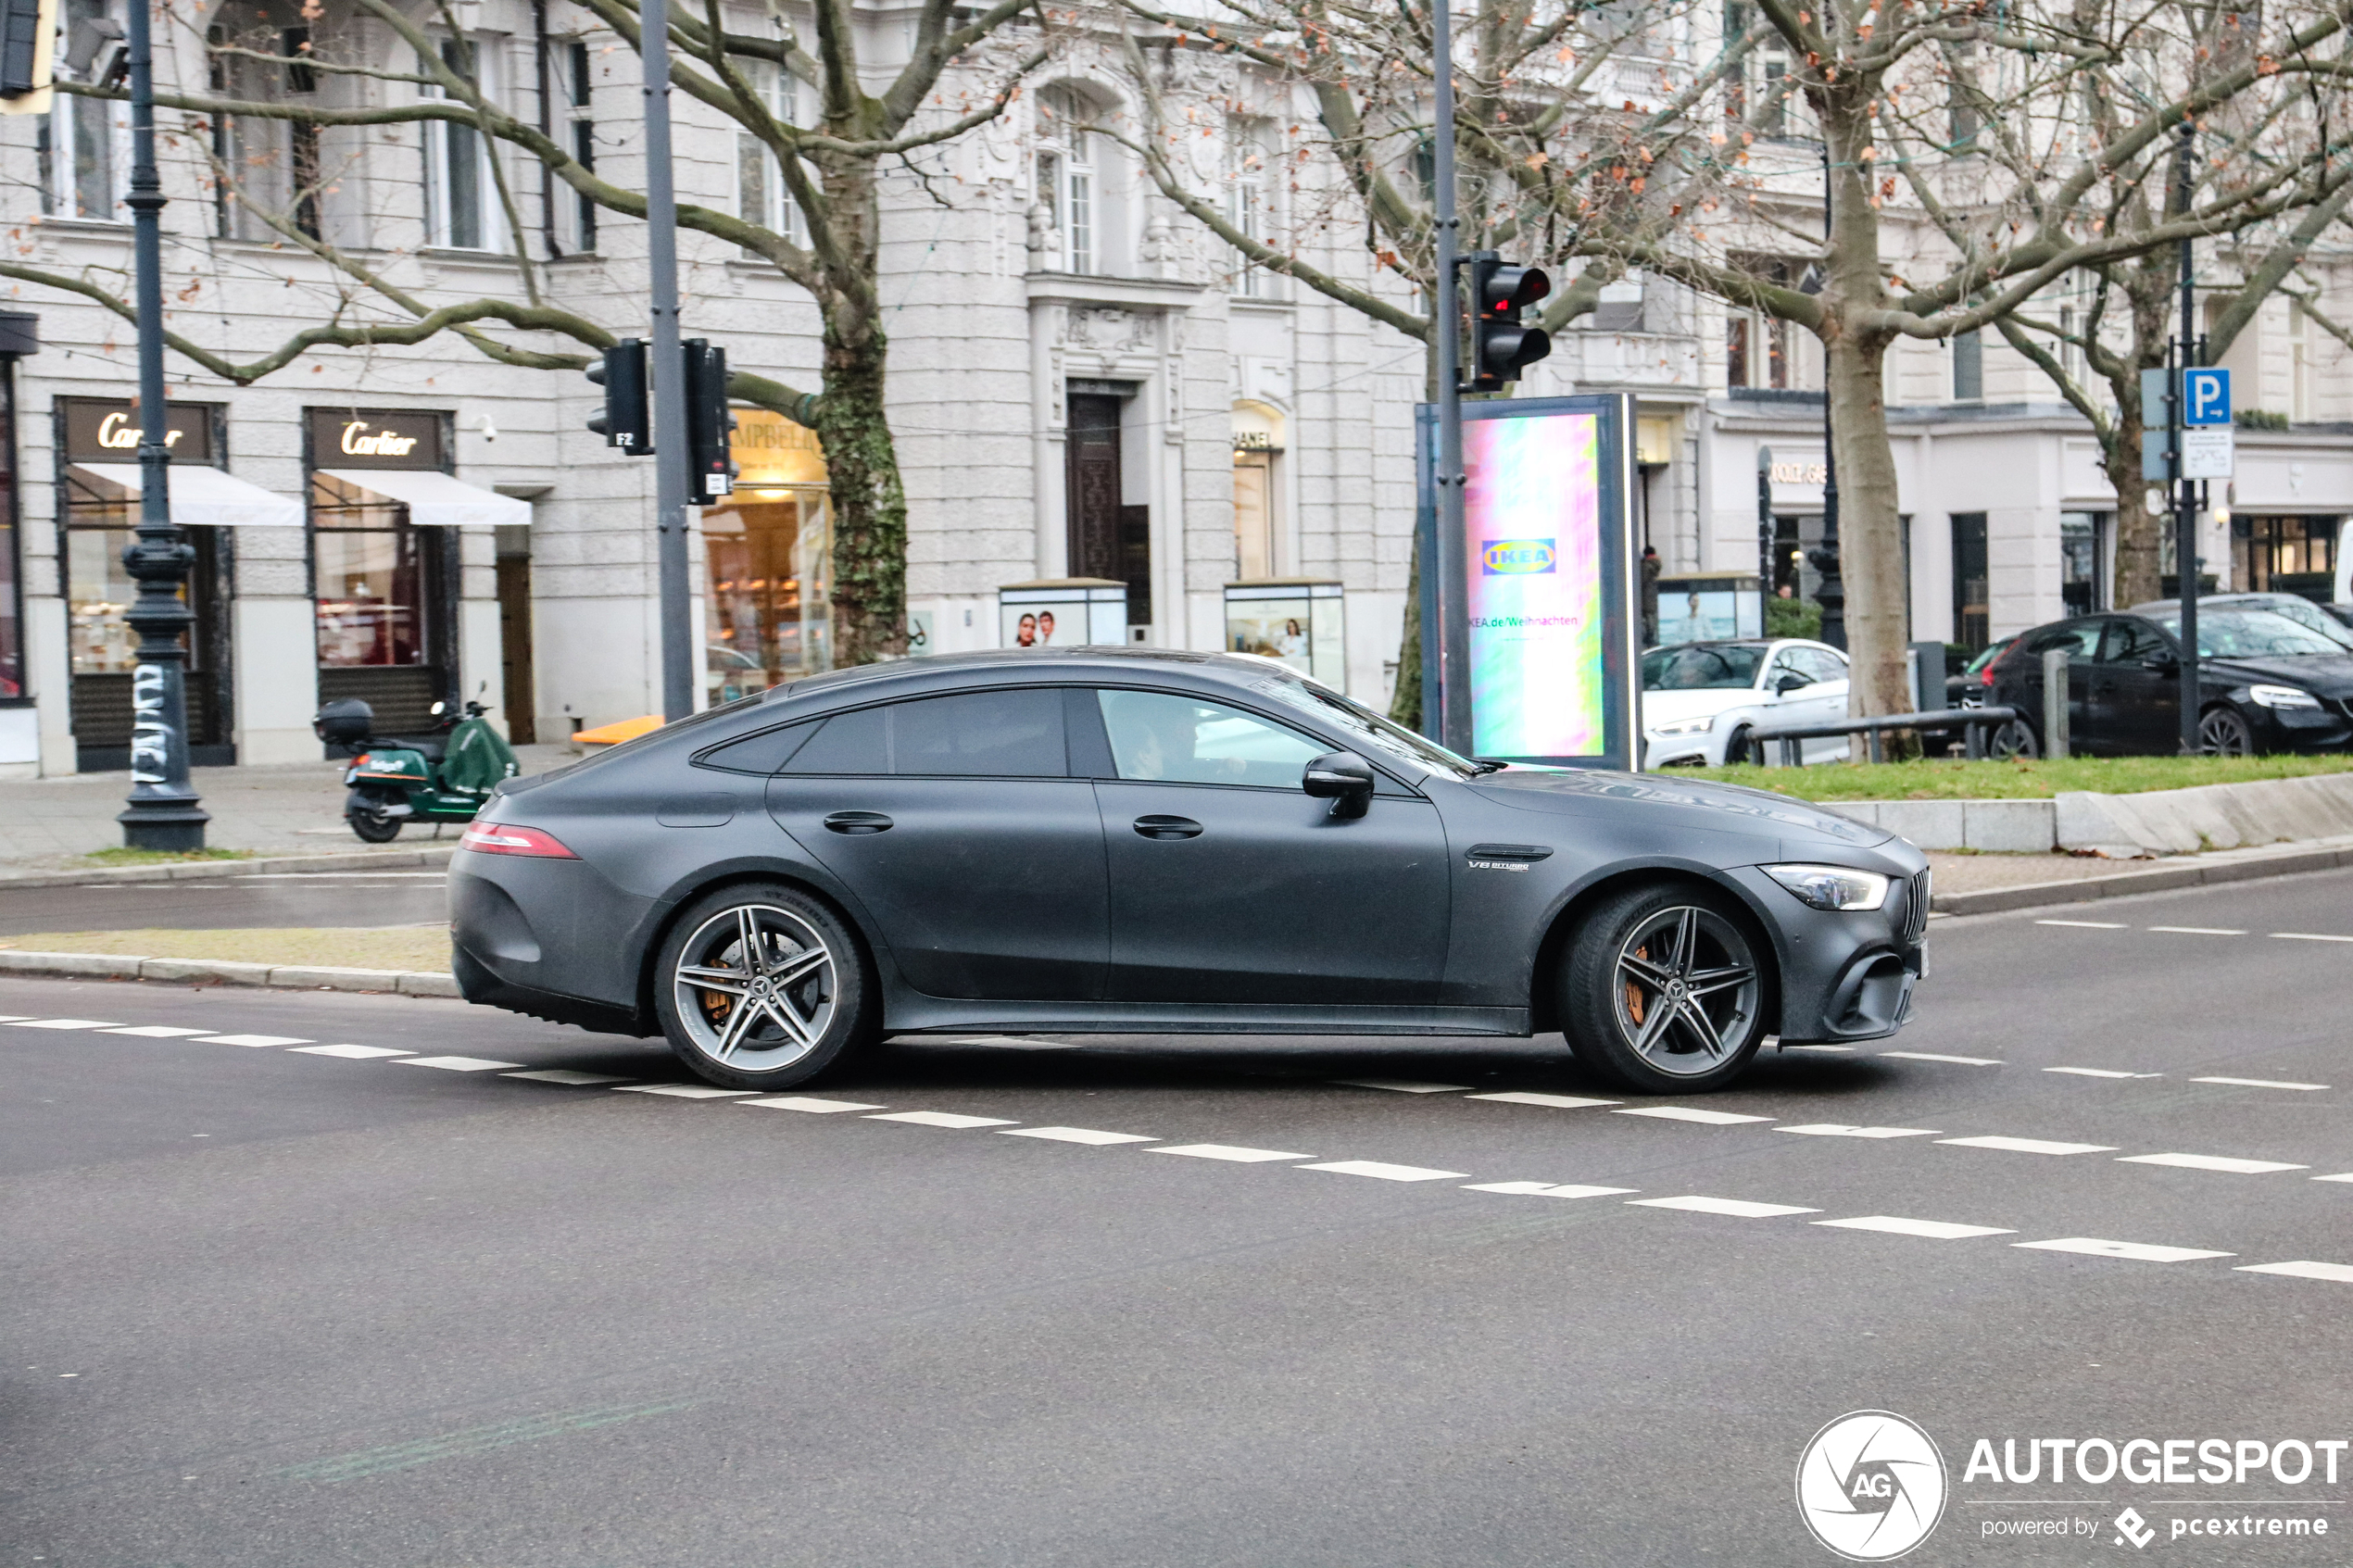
[367,438]
[106,430]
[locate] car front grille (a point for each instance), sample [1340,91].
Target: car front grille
[1915,908]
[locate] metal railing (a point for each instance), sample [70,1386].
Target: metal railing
[1976,724]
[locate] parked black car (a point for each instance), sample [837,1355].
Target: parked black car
[2324,619]
[1126,841]
[2265,683]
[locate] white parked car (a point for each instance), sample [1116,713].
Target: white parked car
[1701,699]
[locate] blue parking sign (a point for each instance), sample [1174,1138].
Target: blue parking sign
[2206,397]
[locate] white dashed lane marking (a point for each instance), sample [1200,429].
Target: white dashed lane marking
[1686,1113]
[1932,1056]
[1385,1172]
[2137,1251]
[2029,1146]
[566,1076]
[154,1031]
[1547,1189]
[350,1053]
[2347,1176]
[2198,929]
[2088,924]
[1076,1135]
[2338,1273]
[943,1119]
[1738,1207]
[1402,1086]
[1934,1230]
[1227,1151]
[2211,1162]
[675,1091]
[1837,1129]
[459,1064]
[2259,1084]
[2101,1072]
[1556,1102]
[2306,936]
[256,1040]
[63,1023]
[814,1107]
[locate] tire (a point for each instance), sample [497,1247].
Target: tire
[1736,746]
[808,995]
[375,827]
[2222,732]
[1623,1005]
[2014,739]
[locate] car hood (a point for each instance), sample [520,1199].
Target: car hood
[1665,708]
[2323,674]
[1722,808]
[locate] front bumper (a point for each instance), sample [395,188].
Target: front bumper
[1845,975]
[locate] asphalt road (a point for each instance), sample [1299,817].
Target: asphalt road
[269,1306]
[413,896]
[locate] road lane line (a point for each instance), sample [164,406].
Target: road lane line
[1075,1135]
[565,1075]
[2137,1251]
[459,1064]
[1400,1085]
[2198,929]
[1932,1056]
[1385,1172]
[1528,1097]
[1739,1207]
[2031,1146]
[2337,1272]
[156,1031]
[2347,1176]
[1685,1114]
[1838,1130]
[943,1119]
[2306,936]
[2101,1072]
[1226,1151]
[1935,1230]
[1548,1189]
[350,1053]
[2211,1162]
[63,1023]
[2259,1084]
[2088,924]
[680,1091]
[814,1107]
[251,1040]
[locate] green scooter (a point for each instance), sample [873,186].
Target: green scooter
[444,776]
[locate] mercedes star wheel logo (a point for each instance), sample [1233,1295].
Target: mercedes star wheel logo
[1870,1485]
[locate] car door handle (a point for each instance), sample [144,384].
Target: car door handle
[858,822]
[1168,827]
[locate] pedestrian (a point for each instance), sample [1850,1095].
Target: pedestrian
[1650,596]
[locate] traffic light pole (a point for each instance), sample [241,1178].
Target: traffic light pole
[670,454]
[1446,325]
[2184,492]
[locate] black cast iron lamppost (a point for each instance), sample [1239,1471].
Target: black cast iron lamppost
[163,813]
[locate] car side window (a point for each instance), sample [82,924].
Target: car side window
[1785,663]
[2130,642]
[2080,639]
[1183,740]
[766,752]
[1821,666]
[998,734]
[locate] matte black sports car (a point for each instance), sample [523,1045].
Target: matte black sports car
[1106,840]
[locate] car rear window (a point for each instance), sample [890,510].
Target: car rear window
[1699,667]
[1015,733]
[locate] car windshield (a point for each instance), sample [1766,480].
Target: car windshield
[2250,633]
[1391,740]
[1702,667]
[2313,618]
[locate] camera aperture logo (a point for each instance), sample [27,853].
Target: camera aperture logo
[1871,1486]
[1516,558]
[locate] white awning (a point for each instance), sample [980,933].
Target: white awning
[436,499]
[204,497]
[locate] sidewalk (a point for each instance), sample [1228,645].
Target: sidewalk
[283,809]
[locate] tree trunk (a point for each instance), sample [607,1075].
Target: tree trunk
[869,502]
[1870,532]
[2137,529]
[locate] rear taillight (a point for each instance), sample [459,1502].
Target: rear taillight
[1985,676]
[505,838]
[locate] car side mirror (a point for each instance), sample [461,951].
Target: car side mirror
[1344,779]
[1790,681]
[2163,664]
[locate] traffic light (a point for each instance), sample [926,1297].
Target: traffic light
[1500,347]
[710,467]
[627,421]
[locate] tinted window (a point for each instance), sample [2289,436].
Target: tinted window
[766,752]
[2080,639]
[2250,633]
[1180,740]
[1702,667]
[992,734]
[2130,642]
[1365,725]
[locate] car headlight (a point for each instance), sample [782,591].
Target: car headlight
[1831,887]
[2281,696]
[1687,726]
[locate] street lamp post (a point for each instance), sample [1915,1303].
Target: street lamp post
[1764,538]
[2185,563]
[162,813]
[1453,675]
[1831,594]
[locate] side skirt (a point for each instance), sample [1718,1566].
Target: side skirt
[916,1015]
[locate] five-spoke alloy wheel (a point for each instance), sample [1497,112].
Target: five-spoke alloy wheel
[761,986]
[1665,990]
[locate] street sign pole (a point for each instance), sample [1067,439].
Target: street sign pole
[671,456]
[2184,494]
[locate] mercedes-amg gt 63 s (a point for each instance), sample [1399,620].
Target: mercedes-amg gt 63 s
[1131,841]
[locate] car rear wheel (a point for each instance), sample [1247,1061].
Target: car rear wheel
[761,986]
[2015,738]
[1666,991]
[2222,733]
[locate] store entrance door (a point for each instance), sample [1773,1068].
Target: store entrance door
[1108,540]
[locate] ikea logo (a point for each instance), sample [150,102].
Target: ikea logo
[1513,558]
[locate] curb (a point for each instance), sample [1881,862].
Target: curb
[2244,867]
[190,870]
[304,977]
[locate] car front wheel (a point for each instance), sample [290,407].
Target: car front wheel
[2222,733]
[761,986]
[1666,991]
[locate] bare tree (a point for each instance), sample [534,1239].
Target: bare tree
[832,170]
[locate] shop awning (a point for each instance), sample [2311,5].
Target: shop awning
[204,497]
[436,499]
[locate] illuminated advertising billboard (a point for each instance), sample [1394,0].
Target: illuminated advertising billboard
[1547,615]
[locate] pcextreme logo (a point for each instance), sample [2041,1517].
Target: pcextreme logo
[1871,1486]
[1515,558]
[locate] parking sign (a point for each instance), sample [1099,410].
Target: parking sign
[2206,397]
